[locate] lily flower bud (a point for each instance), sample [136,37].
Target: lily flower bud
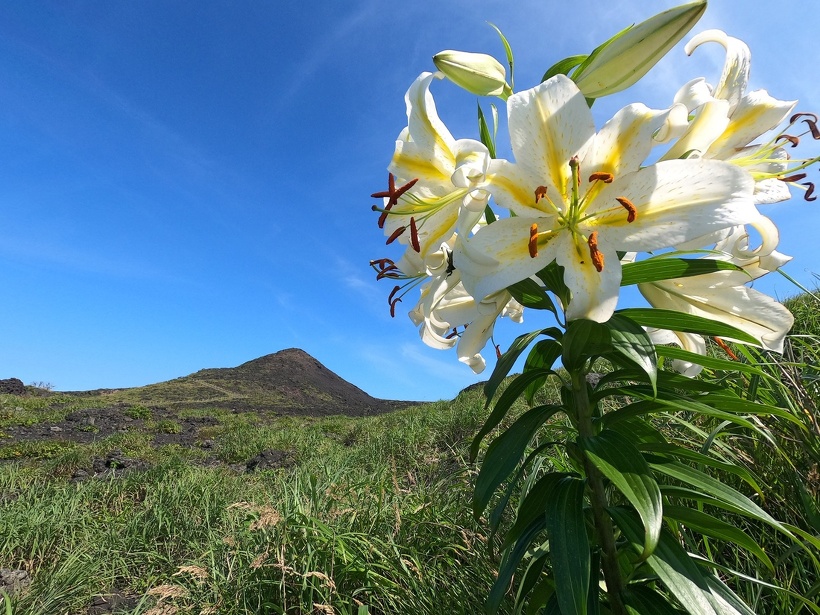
[478,73]
[626,57]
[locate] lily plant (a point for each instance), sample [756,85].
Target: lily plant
[589,498]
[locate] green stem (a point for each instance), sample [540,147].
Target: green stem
[603,524]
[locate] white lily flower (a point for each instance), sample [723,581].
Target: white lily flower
[579,197]
[724,296]
[727,119]
[441,176]
[445,305]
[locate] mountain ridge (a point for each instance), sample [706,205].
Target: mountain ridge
[289,381]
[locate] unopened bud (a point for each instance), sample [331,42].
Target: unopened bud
[628,56]
[478,73]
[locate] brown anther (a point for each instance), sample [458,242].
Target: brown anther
[395,235]
[540,193]
[815,133]
[629,207]
[602,176]
[809,196]
[498,351]
[594,253]
[790,138]
[451,334]
[414,236]
[793,178]
[533,243]
[381,262]
[393,307]
[797,116]
[725,348]
[389,272]
[393,293]
[392,193]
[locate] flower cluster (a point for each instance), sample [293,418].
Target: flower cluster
[688,178]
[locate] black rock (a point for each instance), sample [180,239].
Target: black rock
[12,386]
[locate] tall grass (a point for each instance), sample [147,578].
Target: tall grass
[365,516]
[372,517]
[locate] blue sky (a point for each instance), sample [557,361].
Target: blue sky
[186,184]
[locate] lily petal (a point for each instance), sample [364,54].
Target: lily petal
[548,125]
[676,200]
[755,114]
[736,67]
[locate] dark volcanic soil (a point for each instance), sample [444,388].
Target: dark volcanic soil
[289,382]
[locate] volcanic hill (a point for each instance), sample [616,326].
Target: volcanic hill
[287,382]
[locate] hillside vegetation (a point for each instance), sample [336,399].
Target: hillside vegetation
[216,494]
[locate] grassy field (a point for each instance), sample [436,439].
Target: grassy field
[367,515]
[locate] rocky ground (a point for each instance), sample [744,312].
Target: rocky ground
[178,412]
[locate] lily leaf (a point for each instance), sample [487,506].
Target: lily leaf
[529,294]
[712,526]
[656,269]
[569,545]
[679,573]
[584,339]
[508,359]
[686,323]
[563,67]
[718,490]
[618,459]
[484,133]
[630,340]
[506,451]
[543,355]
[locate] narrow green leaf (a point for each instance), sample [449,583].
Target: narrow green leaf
[484,133]
[657,269]
[673,352]
[513,391]
[508,52]
[725,601]
[530,294]
[687,323]
[630,340]
[681,576]
[718,490]
[533,506]
[650,406]
[745,406]
[506,451]
[508,359]
[530,582]
[543,355]
[509,563]
[720,589]
[618,459]
[646,601]
[715,528]
[562,67]
[690,455]
[553,278]
[569,545]
[584,339]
